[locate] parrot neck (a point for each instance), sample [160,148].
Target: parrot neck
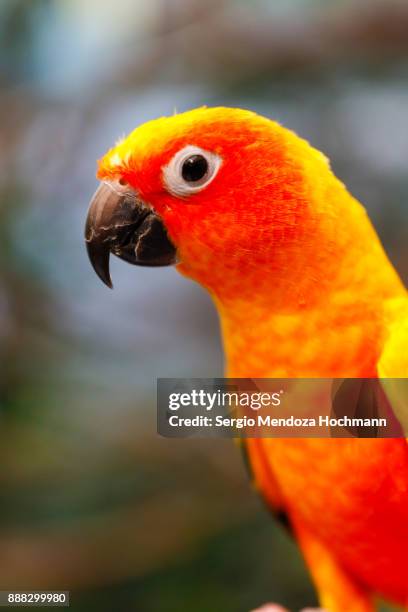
[311,343]
[318,324]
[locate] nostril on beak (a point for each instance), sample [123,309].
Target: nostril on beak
[118,222]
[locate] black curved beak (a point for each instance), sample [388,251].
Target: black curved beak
[119,222]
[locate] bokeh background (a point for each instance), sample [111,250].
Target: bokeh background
[92,500]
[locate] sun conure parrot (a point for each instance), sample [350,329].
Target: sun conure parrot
[303,288]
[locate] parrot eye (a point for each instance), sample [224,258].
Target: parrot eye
[194,168]
[190,170]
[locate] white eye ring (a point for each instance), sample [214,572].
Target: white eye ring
[190,170]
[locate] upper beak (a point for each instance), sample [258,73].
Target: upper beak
[119,222]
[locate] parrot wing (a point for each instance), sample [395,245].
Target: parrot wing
[393,363]
[360,399]
[386,396]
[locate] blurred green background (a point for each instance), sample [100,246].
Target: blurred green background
[91,499]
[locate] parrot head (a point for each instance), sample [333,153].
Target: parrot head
[230,197]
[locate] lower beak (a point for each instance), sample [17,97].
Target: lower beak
[119,222]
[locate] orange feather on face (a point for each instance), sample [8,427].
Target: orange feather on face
[303,289]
